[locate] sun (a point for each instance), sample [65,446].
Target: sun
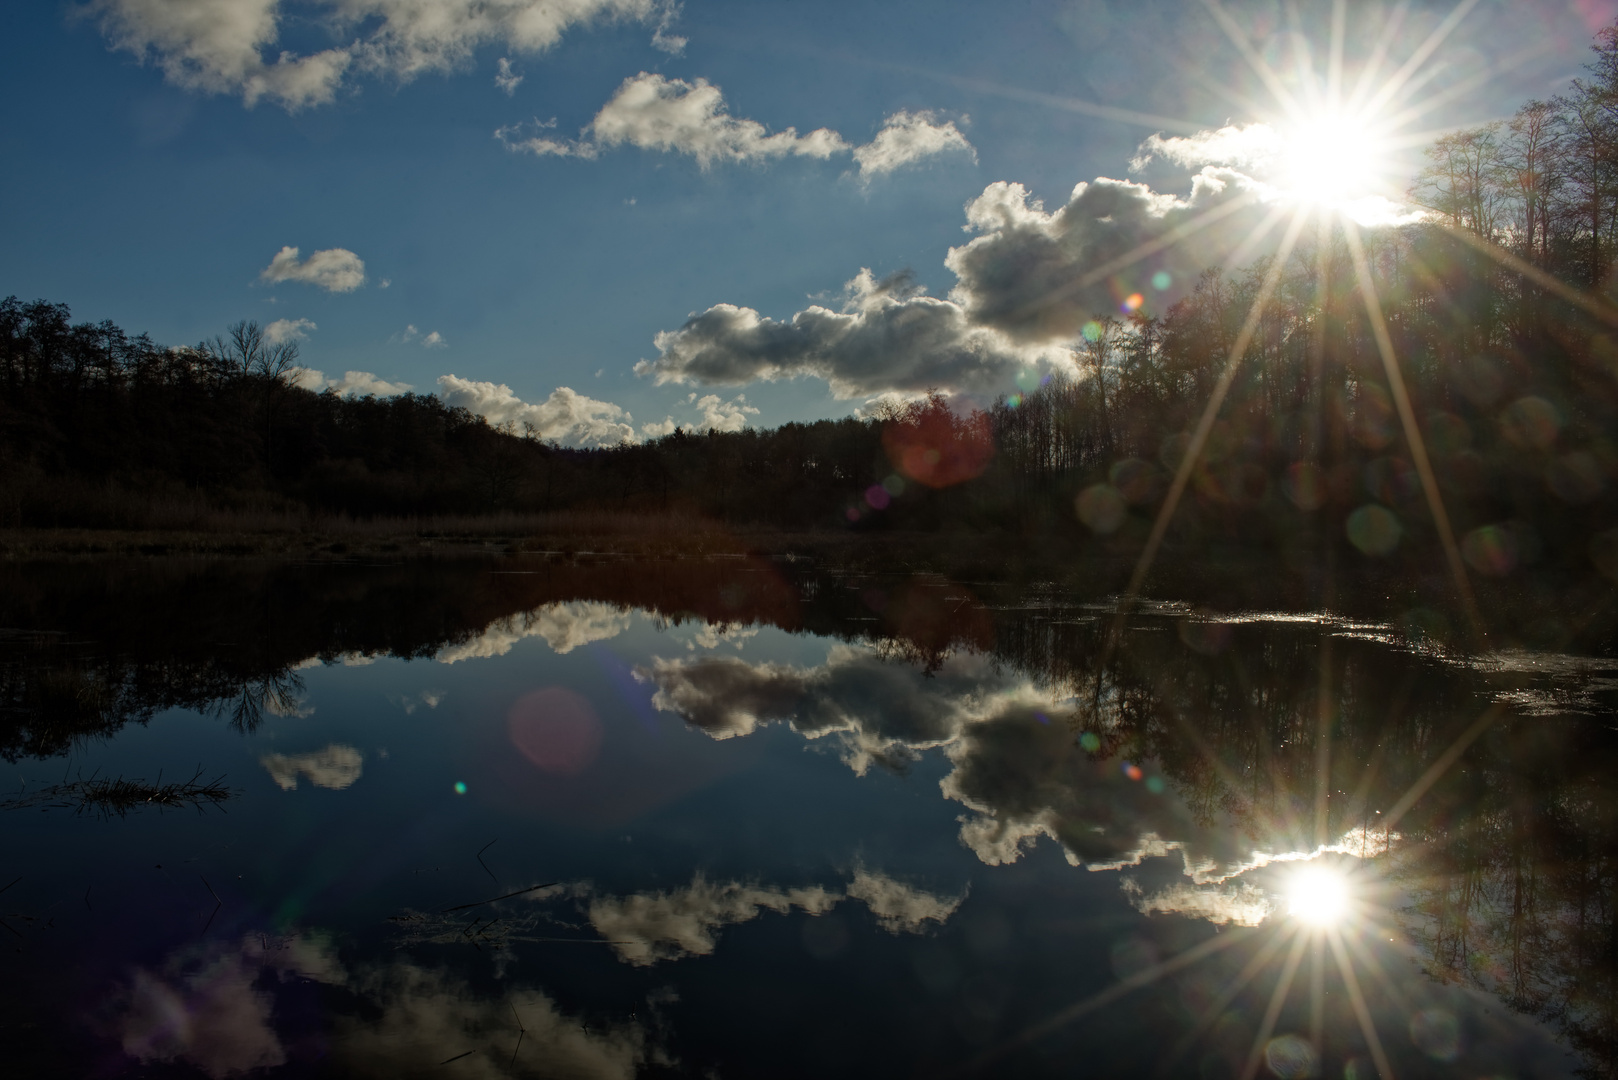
[1331,158]
[1318,896]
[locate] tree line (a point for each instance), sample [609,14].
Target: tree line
[1496,308]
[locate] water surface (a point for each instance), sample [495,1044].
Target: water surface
[736,818]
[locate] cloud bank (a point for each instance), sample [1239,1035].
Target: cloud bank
[336,270]
[653,112]
[229,46]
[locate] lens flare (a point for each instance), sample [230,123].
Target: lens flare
[1318,896]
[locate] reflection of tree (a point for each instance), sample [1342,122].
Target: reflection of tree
[1510,860]
[277,693]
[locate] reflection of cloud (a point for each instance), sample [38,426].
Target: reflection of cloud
[898,906]
[410,702]
[336,767]
[564,626]
[713,635]
[1245,904]
[427,1016]
[882,712]
[214,1008]
[645,928]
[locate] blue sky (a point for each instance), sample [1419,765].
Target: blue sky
[144,186]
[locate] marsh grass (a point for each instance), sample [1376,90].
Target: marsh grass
[117,797]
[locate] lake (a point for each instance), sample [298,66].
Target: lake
[736,817]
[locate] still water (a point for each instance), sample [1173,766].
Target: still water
[737,818]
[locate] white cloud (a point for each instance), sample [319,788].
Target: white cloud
[889,336]
[563,626]
[287,330]
[505,78]
[652,112]
[567,417]
[434,340]
[336,767]
[352,384]
[908,137]
[336,270]
[220,46]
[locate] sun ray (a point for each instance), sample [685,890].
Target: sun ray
[1407,418]
[1442,765]
[1593,305]
[1256,236]
[1317,993]
[1272,1013]
[1119,989]
[1420,56]
[1303,57]
[1199,437]
[1260,66]
[1334,60]
[1459,90]
[1379,54]
[1323,729]
[1361,1013]
[1216,1008]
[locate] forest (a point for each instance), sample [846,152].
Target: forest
[1496,306]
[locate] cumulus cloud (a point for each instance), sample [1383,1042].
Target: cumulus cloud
[288,330]
[889,336]
[434,340]
[646,928]
[1025,284]
[335,768]
[653,112]
[220,46]
[563,626]
[336,270]
[909,137]
[352,384]
[1038,277]
[567,417]
[505,78]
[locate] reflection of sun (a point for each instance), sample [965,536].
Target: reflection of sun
[1318,895]
[1331,158]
